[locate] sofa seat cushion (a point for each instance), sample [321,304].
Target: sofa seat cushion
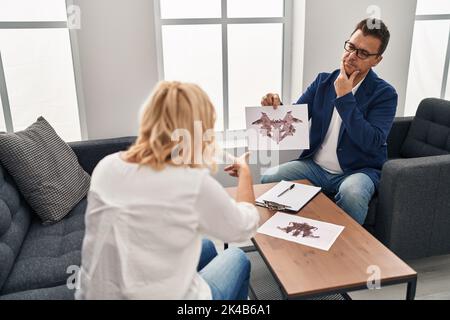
[47,252]
[53,293]
[15,220]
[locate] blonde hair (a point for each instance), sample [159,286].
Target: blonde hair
[175,107]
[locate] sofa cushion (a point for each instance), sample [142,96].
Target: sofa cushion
[47,252]
[90,152]
[53,293]
[45,169]
[429,134]
[15,220]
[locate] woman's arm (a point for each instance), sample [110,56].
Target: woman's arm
[241,170]
[224,218]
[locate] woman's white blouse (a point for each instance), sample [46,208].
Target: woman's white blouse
[144,230]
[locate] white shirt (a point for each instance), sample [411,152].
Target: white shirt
[144,230]
[326,156]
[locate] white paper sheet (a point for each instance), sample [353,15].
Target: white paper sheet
[286,128]
[312,233]
[296,198]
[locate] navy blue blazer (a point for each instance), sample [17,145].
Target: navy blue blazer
[367,118]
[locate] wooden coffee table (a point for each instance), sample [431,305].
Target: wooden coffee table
[305,272]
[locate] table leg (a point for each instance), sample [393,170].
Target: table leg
[411,289]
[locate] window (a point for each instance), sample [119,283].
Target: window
[183,9]
[201,63]
[37,73]
[433,7]
[430,54]
[236,50]
[26,10]
[254,68]
[255,8]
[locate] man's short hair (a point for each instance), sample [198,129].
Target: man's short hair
[375,28]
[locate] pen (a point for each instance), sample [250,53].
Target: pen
[290,188]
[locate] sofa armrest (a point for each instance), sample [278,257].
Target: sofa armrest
[90,152]
[413,212]
[397,136]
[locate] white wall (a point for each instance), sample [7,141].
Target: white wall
[116,45]
[329,23]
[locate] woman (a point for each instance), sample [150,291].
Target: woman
[148,208]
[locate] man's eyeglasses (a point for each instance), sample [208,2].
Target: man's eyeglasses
[360,53]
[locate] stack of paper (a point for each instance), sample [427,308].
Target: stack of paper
[296,197]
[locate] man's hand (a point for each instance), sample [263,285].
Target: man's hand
[239,164]
[271,99]
[344,84]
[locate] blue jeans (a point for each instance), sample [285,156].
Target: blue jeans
[227,274]
[351,192]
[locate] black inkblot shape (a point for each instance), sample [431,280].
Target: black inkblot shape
[284,127]
[298,228]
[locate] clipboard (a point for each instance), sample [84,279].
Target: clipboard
[275,206]
[284,198]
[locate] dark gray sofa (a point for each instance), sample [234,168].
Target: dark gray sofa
[34,258]
[411,212]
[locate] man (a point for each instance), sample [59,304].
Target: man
[352,111]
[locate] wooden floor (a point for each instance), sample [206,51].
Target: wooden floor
[433,282]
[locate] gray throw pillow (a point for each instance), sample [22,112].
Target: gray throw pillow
[45,169]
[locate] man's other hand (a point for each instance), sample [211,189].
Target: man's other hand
[271,99]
